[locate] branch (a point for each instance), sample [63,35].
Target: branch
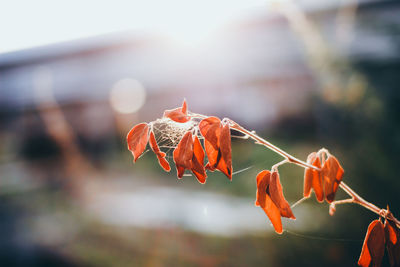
[355,198]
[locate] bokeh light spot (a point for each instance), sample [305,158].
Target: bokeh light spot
[127,96]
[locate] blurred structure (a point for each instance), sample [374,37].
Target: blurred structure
[312,74]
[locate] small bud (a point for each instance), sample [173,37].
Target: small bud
[332,209]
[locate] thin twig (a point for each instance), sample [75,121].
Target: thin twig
[355,198]
[342,201]
[298,202]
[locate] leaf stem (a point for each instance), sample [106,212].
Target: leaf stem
[267,144]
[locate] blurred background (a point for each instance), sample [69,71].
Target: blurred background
[76,76]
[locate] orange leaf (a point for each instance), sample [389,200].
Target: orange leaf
[225,160]
[210,128]
[333,175]
[212,155]
[160,155]
[373,246]
[276,193]
[308,176]
[178,114]
[217,142]
[313,178]
[198,161]
[265,202]
[137,139]
[183,154]
[392,235]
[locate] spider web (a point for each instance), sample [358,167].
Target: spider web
[168,133]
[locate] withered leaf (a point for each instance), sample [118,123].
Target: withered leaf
[392,236]
[374,245]
[178,114]
[210,129]
[276,193]
[333,175]
[198,161]
[183,154]
[225,161]
[264,200]
[217,143]
[160,155]
[313,178]
[137,139]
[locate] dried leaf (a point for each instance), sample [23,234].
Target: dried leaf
[333,175]
[183,154]
[264,200]
[313,178]
[137,139]
[276,193]
[392,236]
[374,245]
[213,155]
[210,129]
[217,143]
[160,155]
[178,114]
[308,176]
[225,160]
[184,107]
[198,161]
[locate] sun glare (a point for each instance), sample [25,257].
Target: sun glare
[42,22]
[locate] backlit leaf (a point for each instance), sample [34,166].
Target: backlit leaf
[313,178]
[178,114]
[374,245]
[392,236]
[210,129]
[183,154]
[276,193]
[160,155]
[333,175]
[137,139]
[225,160]
[217,143]
[198,161]
[264,200]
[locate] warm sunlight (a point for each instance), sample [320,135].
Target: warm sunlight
[44,22]
[199,133]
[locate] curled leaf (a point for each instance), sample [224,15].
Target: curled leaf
[217,142]
[264,200]
[313,178]
[276,193]
[137,139]
[160,155]
[374,245]
[210,129]
[333,175]
[198,161]
[178,114]
[392,236]
[225,160]
[212,155]
[183,154]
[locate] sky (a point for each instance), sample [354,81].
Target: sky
[26,24]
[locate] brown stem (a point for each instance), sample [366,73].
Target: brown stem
[267,144]
[354,196]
